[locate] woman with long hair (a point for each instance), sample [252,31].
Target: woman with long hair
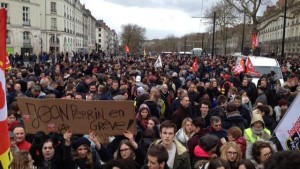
[129,150]
[142,117]
[84,156]
[186,131]
[22,160]
[231,153]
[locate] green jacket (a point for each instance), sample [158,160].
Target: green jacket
[182,158]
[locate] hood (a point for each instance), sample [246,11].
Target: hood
[256,118]
[199,152]
[141,89]
[241,141]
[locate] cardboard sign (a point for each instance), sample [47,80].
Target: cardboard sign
[59,115]
[288,129]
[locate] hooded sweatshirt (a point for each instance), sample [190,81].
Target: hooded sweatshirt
[251,135]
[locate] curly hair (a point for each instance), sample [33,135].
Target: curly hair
[225,148]
[257,146]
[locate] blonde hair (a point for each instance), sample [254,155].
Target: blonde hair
[21,160]
[225,148]
[184,123]
[89,157]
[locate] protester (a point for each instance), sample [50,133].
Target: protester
[259,152]
[257,130]
[178,154]
[22,144]
[231,153]
[22,160]
[186,131]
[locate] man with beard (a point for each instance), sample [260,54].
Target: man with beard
[257,130]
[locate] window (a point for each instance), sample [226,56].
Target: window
[99,29]
[99,35]
[53,23]
[99,40]
[4,5]
[53,7]
[26,39]
[25,13]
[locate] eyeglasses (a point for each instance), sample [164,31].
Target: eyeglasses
[124,150]
[232,153]
[267,154]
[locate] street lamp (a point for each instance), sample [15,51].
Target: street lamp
[283,33]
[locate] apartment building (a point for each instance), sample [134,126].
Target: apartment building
[107,39]
[23,25]
[36,26]
[270,38]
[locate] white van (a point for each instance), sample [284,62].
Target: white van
[264,65]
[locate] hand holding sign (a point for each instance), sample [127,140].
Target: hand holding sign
[129,135]
[67,137]
[94,138]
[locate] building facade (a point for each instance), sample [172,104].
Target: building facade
[270,38]
[58,26]
[107,39]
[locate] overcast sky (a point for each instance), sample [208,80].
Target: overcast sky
[160,17]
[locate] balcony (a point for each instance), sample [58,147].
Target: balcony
[8,40]
[26,41]
[26,23]
[53,12]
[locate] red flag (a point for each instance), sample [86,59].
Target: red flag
[251,69]
[195,66]
[254,40]
[240,67]
[5,154]
[127,49]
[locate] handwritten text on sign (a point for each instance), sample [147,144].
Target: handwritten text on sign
[60,115]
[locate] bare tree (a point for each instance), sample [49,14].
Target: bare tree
[252,7]
[132,35]
[226,17]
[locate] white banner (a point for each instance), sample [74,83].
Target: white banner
[158,62]
[288,129]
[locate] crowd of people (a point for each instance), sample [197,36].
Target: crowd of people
[208,118]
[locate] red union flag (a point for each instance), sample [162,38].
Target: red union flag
[5,154]
[251,69]
[195,66]
[240,67]
[254,40]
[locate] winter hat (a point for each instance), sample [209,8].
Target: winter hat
[141,90]
[143,106]
[80,141]
[138,79]
[283,102]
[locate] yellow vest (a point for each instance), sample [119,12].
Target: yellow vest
[249,133]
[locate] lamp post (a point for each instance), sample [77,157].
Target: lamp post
[213,38]
[243,35]
[283,33]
